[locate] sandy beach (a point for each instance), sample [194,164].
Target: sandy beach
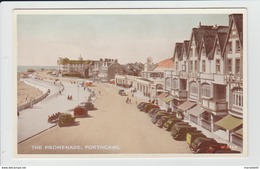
[25,92]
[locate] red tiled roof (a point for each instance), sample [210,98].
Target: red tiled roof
[167,63]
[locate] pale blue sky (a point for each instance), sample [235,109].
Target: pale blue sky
[129,38]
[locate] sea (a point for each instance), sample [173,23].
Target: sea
[25,68]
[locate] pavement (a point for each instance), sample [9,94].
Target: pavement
[35,120]
[114,128]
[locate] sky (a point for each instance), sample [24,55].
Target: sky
[43,38]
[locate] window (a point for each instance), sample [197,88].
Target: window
[175,84]
[218,50]
[237,66]
[203,66]
[194,90]
[191,65]
[196,65]
[191,52]
[206,91]
[238,97]
[217,66]
[168,82]
[229,47]
[177,66]
[237,46]
[229,66]
[203,51]
[184,66]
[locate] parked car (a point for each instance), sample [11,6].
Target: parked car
[89,106]
[66,119]
[179,132]
[145,106]
[201,142]
[191,136]
[121,91]
[140,104]
[168,125]
[158,116]
[149,107]
[212,148]
[80,112]
[153,111]
[163,120]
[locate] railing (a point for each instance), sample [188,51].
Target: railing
[215,105]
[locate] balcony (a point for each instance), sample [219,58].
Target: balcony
[215,105]
[180,94]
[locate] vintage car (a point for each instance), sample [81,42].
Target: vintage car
[66,119]
[179,132]
[54,117]
[191,136]
[213,147]
[153,111]
[158,116]
[199,143]
[121,91]
[80,112]
[169,123]
[148,108]
[163,120]
[140,105]
[145,106]
[89,106]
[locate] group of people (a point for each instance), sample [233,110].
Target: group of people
[153,101]
[147,94]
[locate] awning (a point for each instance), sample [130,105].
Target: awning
[162,95]
[240,132]
[186,105]
[229,122]
[196,111]
[168,98]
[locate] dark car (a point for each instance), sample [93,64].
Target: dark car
[212,148]
[153,111]
[145,106]
[66,119]
[201,142]
[191,136]
[80,112]
[163,120]
[89,106]
[121,91]
[168,125]
[179,132]
[158,116]
[149,107]
[141,107]
[140,104]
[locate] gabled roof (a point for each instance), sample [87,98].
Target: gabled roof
[208,43]
[178,51]
[236,19]
[220,39]
[185,47]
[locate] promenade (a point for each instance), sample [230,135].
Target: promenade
[114,128]
[34,120]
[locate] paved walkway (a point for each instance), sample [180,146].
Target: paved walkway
[114,128]
[33,121]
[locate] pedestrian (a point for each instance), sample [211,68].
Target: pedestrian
[127,99]
[18,114]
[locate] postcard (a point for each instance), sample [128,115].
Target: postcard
[131,82]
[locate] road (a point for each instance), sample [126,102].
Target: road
[34,120]
[114,128]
